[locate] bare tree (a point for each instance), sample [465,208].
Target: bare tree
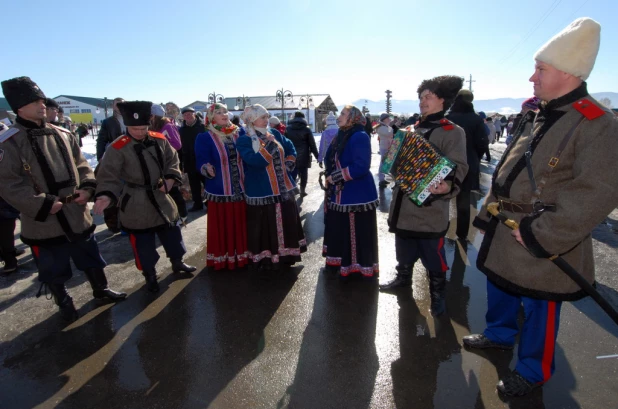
[606,101]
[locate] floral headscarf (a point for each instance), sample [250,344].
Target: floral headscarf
[251,113]
[220,130]
[355,116]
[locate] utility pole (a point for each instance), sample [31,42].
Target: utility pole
[389,93]
[470,81]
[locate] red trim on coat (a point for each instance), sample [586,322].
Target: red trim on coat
[550,340]
[225,168]
[35,251]
[133,240]
[346,174]
[442,261]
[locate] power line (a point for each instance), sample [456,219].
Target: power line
[547,13]
[544,41]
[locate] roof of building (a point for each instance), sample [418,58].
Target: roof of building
[271,102]
[97,102]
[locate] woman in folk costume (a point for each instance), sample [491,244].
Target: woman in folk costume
[274,232]
[218,160]
[350,232]
[138,171]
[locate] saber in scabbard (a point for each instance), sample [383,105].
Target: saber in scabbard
[494,210]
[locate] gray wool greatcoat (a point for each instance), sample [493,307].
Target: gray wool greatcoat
[131,173]
[57,169]
[583,186]
[431,220]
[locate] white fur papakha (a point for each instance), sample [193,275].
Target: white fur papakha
[574,49]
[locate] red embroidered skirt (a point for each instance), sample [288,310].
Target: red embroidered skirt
[226,236]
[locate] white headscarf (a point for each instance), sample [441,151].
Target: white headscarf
[251,113]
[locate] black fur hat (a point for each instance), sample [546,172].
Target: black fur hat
[444,86]
[51,103]
[20,92]
[135,113]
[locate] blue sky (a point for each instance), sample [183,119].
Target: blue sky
[182,51]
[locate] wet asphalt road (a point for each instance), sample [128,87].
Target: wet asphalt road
[302,340]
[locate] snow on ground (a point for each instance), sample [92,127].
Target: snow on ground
[90,150]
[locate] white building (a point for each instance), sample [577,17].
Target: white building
[85,109]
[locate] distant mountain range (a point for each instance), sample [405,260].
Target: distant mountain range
[501,105]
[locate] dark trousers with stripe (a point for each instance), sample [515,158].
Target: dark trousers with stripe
[430,251]
[145,247]
[303,173]
[537,342]
[53,261]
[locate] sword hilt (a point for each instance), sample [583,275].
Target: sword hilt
[494,210]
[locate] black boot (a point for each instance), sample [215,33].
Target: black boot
[178,266]
[63,301]
[151,280]
[98,282]
[302,192]
[437,284]
[402,279]
[10,262]
[197,206]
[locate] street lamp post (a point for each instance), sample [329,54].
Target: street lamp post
[307,101]
[215,98]
[283,96]
[242,101]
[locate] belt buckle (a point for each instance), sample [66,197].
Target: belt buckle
[71,198]
[538,207]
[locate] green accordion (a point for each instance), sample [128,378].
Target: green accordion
[415,164]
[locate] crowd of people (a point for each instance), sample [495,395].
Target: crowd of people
[252,168]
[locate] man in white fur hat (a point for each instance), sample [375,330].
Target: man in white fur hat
[568,194]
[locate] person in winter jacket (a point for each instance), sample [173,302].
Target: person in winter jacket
[420,230]
[51,196]
[8,253]
[327,136]
[192,126]
[137,172]
[385,135]
[274,232]
[462,114]
[571,136]
[301,136]
[350,243]
[275,123]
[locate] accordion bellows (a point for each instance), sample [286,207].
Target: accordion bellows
[415,164]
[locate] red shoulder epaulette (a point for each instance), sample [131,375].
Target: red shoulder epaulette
[121,142]
[588,109]
[446,124]
[156,135]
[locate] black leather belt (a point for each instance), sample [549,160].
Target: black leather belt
[528,208]
[145,187]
